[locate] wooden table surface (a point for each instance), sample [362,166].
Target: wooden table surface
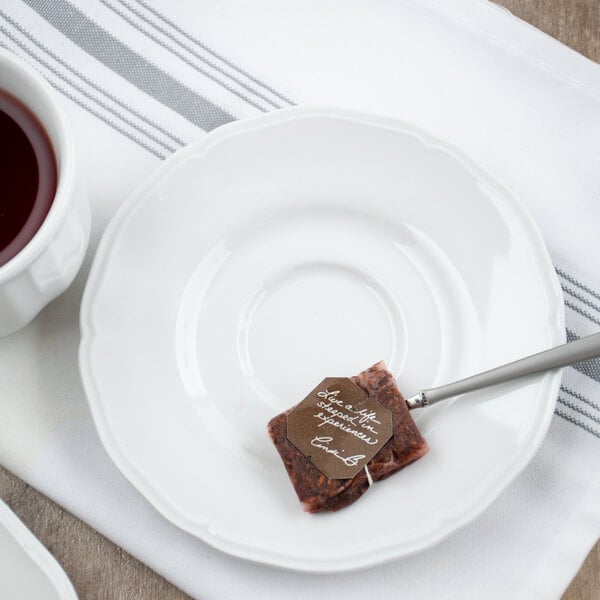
[101,570]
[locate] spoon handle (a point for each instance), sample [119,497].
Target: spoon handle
[561,356]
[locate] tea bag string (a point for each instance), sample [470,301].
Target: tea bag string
[369,478]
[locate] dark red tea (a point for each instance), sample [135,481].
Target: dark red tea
[28,176]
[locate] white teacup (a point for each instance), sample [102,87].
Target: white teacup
[47,265]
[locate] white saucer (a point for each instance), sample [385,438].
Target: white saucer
[303,244]
[27,570]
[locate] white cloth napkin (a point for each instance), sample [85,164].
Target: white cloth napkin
[139,78]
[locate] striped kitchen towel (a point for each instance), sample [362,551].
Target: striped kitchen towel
[141,78]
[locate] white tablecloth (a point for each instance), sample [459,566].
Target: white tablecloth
[139,78]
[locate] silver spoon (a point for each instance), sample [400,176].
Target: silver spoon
[561,356]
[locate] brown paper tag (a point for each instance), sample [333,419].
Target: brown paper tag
[339,428]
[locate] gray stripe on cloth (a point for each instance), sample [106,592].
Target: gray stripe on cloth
[580,397]
[591,368]
[211,63]
[209,50]
[580,297]
[580,285]
[83,92]
[578,422]
[182,57]
[583,313]
[90,82]
[119,57]
[578,409]
[94,112]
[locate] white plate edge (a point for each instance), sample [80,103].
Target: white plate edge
[38,553]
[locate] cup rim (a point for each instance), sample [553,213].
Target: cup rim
[65,167]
